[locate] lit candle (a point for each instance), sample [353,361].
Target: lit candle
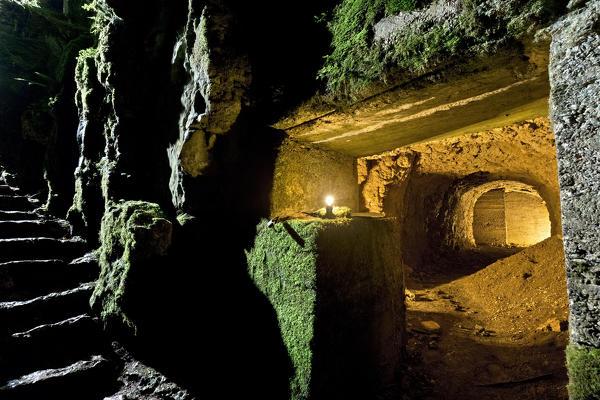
[329,208]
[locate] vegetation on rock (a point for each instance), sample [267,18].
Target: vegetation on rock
[293,298]
[38,47]
[430,37]
[583,364]
[329,286]
[132,233]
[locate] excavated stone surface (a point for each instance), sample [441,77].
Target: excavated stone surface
[574,106]
[24,279]
[523,151]
[81,379]
[47,336]
[38,228]
[50,346]
[497,92]
[38,248]
[19,315]
[339,302]
[421,183]
[139,381]
[306,174]
[213,96]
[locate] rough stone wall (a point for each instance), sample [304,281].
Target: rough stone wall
[128,99]
[574,111]
[376,177]
[218,77]
[523,152]
[337,288]
[38,119]
[575,101]
[306,174]
[489,222]
[168,151]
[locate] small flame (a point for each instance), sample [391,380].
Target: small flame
[329,201]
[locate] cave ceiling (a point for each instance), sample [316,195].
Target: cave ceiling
[486,94]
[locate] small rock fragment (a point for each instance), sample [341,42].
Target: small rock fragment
[553,325]
[431,326]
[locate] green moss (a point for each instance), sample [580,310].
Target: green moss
[353,62]
[338,212]
[325,278]
[83,75]
[285,271]
[583,364]
[484,25]
[38,43]
[131,233]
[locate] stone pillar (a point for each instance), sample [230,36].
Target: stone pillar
[575,115]
[337,288]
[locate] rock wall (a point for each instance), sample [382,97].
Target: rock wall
[125,127]
[425,183]
[337,288]
[306,174]
[38,119]
[574,105]
[489,222]
[170,160]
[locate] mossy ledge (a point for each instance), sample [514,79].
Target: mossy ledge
[330,286]
[583,364]
[422,36]
[132,234]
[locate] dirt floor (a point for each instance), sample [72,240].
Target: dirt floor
[490,332]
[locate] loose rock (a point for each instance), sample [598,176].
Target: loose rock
[431,326]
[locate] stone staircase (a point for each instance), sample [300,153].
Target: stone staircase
[50,347]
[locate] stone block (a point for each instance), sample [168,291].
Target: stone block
[337,289]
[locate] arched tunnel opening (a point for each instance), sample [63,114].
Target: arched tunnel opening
[481,244]
[510,218]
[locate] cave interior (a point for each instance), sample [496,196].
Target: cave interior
[362,200]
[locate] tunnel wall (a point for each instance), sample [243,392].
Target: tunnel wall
[527,219]
[489,218]
[412,182]
[306,174]
[574,111]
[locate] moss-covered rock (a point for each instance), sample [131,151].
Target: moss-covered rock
[398,40]
[38,47]
[133,234]
[337,288]
[336,212]
[583,364]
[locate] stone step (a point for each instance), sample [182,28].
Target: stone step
[50,346]
[89,379]
[7,190]
[18,215]
[40,249]
[23,315]
[34,228]
[20,280]
[17,203]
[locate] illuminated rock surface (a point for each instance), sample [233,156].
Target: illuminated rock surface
[331,283]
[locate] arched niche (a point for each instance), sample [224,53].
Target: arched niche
[508,217]
[496,213]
